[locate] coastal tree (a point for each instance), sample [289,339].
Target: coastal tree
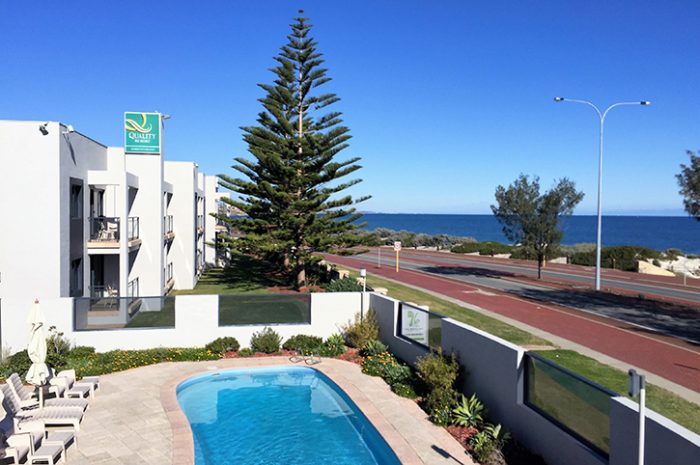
[290,192]
[689,182]
[531,218]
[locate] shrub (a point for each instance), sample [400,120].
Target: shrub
[333,346]
[266,340]
[16,363]
[224,344]
[375,365]
[437,371]
[620,258]
[372,347]
[441,399]
[57,349]
[486,445]
[483,248]
[388,368]
[362,330]
[655,262]
[397,374]
[81,352]
[303,343]
[404,390]
[345,285]
[672,254]
[469,412]
[118,360]
[246,352]
[583,258]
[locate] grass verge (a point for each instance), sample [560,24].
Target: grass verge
[471,317]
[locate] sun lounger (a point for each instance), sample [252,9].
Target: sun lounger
[34,434]
[48,416]
[25,396]
[46,454]
[72,388]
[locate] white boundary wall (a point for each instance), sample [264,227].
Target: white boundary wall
[196,323]
[495,372]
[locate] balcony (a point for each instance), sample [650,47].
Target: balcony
[200,224]
[168,232]
[105,234]
[168,278]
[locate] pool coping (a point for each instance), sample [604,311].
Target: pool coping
[183,443]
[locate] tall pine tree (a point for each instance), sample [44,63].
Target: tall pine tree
[288,193]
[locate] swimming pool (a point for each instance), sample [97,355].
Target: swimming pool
[280,415]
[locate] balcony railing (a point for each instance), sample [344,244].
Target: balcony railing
[103,291]
[108,228]
[133,227]
[168,224]
[104,229]
[132,288]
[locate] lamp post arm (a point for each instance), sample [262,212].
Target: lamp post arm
[590,104]
[618,104]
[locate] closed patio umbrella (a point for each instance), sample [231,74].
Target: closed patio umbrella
[38,373]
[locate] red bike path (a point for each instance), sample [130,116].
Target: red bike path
[675,360]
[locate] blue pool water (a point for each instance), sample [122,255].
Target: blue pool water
[281,415]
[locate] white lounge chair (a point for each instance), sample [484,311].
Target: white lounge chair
[49,416]
[66,382]
[27,398]
[15,447]
[34,443]
[92,381]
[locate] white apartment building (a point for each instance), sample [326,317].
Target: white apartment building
[83,219]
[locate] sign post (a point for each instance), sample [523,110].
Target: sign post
[142,133]
[379,256]
[637,386]
[397,249]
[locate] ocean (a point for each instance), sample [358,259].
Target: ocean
[656,232]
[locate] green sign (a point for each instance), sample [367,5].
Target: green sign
[141,132]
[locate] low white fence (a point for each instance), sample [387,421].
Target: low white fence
[495,371]
[196,323]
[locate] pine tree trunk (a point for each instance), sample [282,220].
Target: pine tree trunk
[301,275]
[540,260]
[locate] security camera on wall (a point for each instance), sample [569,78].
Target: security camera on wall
[42,128]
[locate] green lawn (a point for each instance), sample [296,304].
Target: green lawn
[245,275]
[681,411]
[264,309]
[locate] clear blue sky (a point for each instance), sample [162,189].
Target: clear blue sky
[445,100]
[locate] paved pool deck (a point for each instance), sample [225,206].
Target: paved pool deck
[135,418]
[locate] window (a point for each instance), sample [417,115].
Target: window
[76,201]
[76,277]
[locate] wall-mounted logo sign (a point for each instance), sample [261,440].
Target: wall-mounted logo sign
[414,323]
[142,133]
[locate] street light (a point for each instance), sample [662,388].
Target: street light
[601,117]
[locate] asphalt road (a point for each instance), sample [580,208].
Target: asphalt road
[678,316]
[611,279]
